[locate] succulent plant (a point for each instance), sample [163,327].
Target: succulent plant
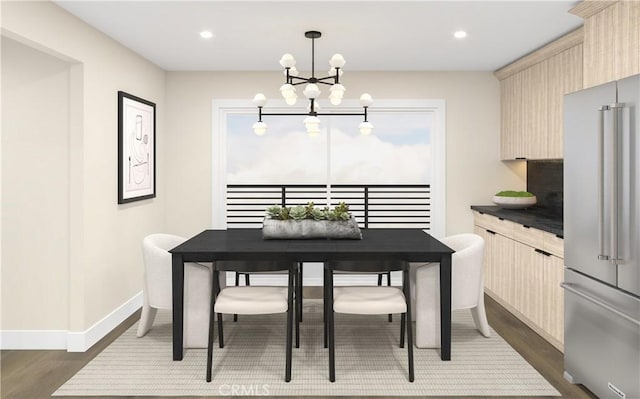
[298,212]
[274,211]
[339,212]
[318,214]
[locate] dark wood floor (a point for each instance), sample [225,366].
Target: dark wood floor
[37,374]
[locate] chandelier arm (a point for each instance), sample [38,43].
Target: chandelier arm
[285,113]
[334,78]
[309,113]
[339,114]
[304,80]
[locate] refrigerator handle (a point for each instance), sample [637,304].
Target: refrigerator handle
[570,287]
[614,167]
[601,239]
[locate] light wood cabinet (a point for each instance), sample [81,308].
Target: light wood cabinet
[523,273]
[564,76]
[511,139]
[534,115]
[531,104]
[611,42]
[553,297]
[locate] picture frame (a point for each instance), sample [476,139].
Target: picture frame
[136,148]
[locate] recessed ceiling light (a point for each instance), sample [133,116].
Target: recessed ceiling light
[460,34]
[205,34]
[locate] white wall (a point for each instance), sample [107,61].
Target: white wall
[35,181]
[474,172]
[104,241]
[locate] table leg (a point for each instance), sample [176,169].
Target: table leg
[177,279]
[445,307]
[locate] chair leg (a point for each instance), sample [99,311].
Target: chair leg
[389,285]
[235,316]
[402,328]
[290,314]
[480,318]
[247,281]
[146,319]
[220,332]
[379,279]
[299,294]
[331,320]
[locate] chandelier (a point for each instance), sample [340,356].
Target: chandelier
[312,92]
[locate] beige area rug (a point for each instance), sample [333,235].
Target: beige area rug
[368,362]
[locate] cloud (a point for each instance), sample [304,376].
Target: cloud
[296,158]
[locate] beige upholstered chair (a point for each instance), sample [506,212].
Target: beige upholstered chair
[367,300]
[467,289]
[253,300]
[157,289]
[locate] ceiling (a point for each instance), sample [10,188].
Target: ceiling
[372,35]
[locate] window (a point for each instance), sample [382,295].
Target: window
[405,150]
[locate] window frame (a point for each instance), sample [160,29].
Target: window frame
[221,108]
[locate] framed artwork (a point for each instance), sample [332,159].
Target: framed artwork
[136,148]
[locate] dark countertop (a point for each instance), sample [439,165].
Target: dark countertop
[536,217]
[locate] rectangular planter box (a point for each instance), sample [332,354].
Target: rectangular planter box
[308,229]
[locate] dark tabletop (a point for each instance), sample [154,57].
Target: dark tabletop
[412,245]
[536,217]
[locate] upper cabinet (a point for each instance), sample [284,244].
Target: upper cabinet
[611,40]
[532,91]
[564,76]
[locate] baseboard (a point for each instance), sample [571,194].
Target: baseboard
[33,339]
[65,340]
[82,341]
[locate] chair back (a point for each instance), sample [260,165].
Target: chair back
[253,266]
[157,268]
[466,269]
[367,266]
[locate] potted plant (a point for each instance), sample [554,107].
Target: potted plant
[306,222]
[514,199]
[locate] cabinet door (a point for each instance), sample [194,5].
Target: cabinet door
[534,117]
[626,38]
[598,48]
[529,282]
[487,261]
[564,76]
[553,297]
[511,145]
[503,267]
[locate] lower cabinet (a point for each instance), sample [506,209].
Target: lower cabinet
[526,281]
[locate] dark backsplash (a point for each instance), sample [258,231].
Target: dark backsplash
[544,179]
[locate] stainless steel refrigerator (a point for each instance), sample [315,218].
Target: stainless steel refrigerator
[602,238]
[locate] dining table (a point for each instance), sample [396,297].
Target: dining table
[392,244]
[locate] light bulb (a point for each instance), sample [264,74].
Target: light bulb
[337,61]
[337,92]
[287,90]
[312,91]
[365,128]
[366,100]
[259,100]
[312,123]
[260,128]
[291,100]
[287,61]
[337,89]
